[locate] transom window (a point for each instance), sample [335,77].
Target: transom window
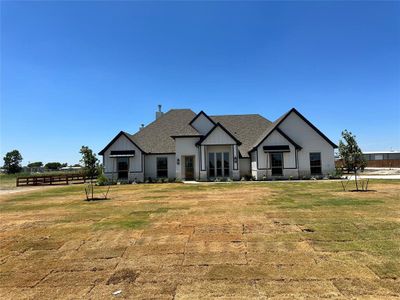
[315,163]
[162,167]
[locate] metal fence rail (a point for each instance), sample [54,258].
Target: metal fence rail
[52,179]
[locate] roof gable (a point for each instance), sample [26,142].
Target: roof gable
[283,135]
[121,133]
[246,128]
[281,119]
[214,130]
[202,123]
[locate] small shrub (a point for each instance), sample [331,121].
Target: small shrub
[102,180]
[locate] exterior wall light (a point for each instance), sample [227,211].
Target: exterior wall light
[235,160]
[178,161]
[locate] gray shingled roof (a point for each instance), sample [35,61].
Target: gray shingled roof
[246,128]
[156,137]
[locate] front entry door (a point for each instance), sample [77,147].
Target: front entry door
[277,164]
[189,167]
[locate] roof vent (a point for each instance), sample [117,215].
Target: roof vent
[159,113]
[141,126]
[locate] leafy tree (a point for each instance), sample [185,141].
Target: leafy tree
[12,162]
[64,165]
[36,164]
[89,161]
[351,154]
[52,166]
[77,165]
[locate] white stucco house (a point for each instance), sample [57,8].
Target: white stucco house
[182,144]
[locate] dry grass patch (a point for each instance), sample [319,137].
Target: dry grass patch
[174,241]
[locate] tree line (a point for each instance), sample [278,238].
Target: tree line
[89,161]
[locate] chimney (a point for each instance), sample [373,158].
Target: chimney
[141,126]
[159,113]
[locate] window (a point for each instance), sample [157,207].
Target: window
[211,165]
[218,164]
[226,164]
[277,164]
[162,167]
[122,167]
[315,163]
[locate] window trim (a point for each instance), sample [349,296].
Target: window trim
[316,166]
[282,163]
[158,170]
[212,159]
[123,170]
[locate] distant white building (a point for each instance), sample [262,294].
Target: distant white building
[189,146]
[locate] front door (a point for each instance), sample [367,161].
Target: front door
[189,167]
[277,164]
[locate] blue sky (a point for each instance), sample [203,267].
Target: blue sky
[76,73]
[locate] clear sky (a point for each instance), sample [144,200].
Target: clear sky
[76,73]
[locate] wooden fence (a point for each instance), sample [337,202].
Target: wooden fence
[52,179]
[386,163]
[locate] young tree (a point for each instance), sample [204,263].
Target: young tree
[351,154]
[89,161]
[12,162]
[36,164]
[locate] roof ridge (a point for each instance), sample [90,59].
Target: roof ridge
[236,115]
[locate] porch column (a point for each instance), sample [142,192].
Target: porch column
[235,169]
[203,169]
[178,166]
